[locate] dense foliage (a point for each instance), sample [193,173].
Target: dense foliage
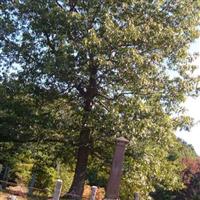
[78,74]
[191,179]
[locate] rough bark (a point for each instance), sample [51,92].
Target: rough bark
[77,186]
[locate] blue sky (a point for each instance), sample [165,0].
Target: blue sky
[192,105]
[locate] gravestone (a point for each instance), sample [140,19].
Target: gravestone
[112,190]
[136,196]
[93,192]
[57,190]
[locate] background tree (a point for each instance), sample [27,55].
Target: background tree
[191,179]
[122,66]
[188,159]
[28,140]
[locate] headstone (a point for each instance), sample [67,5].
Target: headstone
[136,196]
[93,193]
[57,190]
[12,197]
[112,190]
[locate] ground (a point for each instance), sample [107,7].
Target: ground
[4,196]
[20,195]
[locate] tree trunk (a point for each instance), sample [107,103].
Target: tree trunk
[77,186]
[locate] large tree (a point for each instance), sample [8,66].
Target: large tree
[123,66]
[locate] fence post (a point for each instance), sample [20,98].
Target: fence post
[6,171]
[112,189]
[93,192]
[31,184]
[57,190]
[136,196]
[5,176]
[1,168]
